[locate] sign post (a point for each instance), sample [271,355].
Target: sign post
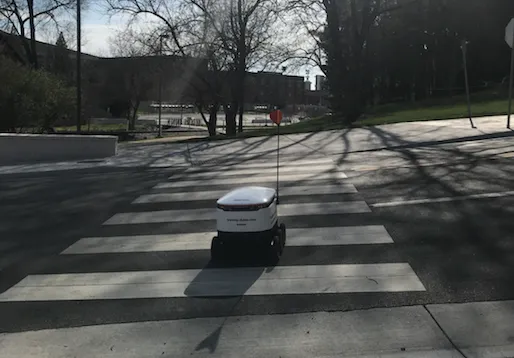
[464,47]
[276,117]
[509,38]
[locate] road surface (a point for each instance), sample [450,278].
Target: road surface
[111,244]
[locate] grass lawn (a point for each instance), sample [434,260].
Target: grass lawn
[434,112]
[450,108]
[483,104]
[101,127]
[397,113]
[93,128]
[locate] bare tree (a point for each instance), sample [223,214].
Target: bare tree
[248,35]
[307,20]
[209,90]
[341,46]
[17,15]
[130,78]
[232,35]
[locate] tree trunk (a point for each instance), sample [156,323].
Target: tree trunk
[240,99]
[33,52]
[129,114]
[26,47]
[230,119]
[242,51]
[133,117]
[240,124]
[213,119]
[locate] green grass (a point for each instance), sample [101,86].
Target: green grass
[93,128]
[98,128]
[434,112]
[313,125]
[483,104]
[449,108]
[398,113]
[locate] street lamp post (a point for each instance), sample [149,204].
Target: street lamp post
[79,65]
[284,98]
[161,37]
[464,45]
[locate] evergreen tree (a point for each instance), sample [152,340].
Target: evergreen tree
[62,63]
[61,41]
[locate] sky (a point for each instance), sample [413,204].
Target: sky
[98,28]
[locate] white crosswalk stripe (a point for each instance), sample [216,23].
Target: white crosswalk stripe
[271,163]
[305,170]
[218,282]
[331,236]
[177,183]
[300,209]
[307,278]
[215,194]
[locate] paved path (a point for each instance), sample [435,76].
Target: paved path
[157,249]
[442,331]
[150,253]
[120,244]
[336,144]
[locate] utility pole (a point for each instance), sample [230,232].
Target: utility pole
[511,78]
[79,65]
[161,37]
[464,47]
[509,38]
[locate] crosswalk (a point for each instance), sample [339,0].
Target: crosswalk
[373,234]
[114,264]
[215,194]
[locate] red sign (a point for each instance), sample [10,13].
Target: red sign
[276,116]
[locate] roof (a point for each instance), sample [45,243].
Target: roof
[249,195]
[15,43]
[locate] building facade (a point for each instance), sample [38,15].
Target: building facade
[320,83]
[114,81]
[111,82]
[273,89]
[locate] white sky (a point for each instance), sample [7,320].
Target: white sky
[97,28]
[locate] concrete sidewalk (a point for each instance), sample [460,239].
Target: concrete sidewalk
[166,152]
[401,135]
[162,140]
[338,143]
[449,330]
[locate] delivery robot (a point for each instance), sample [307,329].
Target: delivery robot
[246,218]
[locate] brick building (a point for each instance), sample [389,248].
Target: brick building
[321,83]
[274,89]
[113,81]
[110,82]
[13,47]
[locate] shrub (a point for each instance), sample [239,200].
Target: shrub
[31,98]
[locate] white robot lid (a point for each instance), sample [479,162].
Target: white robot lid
[249,195]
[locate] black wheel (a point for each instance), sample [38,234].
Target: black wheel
[275,250]
[283,234]
[216,249]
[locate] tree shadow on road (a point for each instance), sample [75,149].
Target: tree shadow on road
[239,151]
[231,278]
[459,248]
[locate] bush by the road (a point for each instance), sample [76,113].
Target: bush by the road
[31,98]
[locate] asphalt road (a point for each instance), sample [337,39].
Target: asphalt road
[43,213]
[460,249]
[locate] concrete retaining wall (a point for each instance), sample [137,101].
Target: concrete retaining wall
[35,148]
